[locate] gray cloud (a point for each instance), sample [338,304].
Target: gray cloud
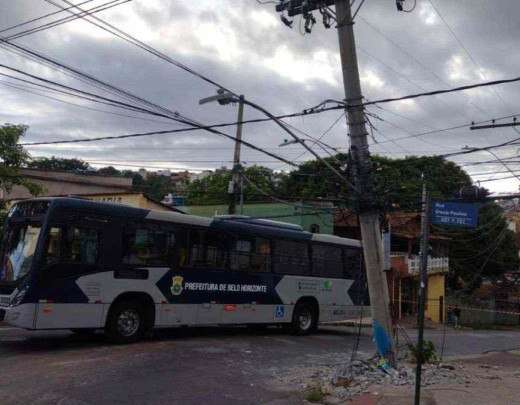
[244,46]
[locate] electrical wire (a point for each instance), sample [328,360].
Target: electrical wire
[134,41]
[342,104]
[192,123]
[91,11]
[30,90]
[466,50]
[414,59]
[127,37]
[41,17]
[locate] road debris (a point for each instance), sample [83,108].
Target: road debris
[358,376]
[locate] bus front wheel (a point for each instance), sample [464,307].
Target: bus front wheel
[305,318]
[126,322]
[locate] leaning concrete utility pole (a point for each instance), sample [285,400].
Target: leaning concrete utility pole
[363,180]
[360,157]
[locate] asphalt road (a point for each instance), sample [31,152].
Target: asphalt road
[185,366]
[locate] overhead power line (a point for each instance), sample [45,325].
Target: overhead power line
[131,39]
[32,91]
[102,24]
[466,50]
[51,24]
[343,104]
[41,17]
[483,149]
[89,96]
[120,104]
[80,75]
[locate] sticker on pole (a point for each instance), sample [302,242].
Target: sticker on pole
[454,214]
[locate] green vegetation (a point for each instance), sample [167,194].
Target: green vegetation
[62,164]
[487,251]
[12,157]
[315,394]
[213,189]
[429,352]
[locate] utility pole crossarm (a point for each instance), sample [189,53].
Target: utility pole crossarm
[490,126]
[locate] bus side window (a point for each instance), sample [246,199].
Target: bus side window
[291,257]
[326,261]
[207,249]
[352,262]
[54,245]
[143,246]
[72,244]
[84,245]
[250,254]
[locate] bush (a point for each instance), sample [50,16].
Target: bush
[315,394]
[429,352]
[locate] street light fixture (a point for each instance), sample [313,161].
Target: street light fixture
[287,142]
[223,97]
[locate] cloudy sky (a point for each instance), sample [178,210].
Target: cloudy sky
[244,46]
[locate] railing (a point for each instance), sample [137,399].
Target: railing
[435,264]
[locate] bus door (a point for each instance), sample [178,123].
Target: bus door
[73,249]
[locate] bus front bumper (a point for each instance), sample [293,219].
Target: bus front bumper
[21,316]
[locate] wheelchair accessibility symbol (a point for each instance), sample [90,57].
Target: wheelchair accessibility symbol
[279,311]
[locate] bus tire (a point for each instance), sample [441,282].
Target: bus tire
[305,318]
[126,322]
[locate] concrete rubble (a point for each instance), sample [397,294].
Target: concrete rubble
[362,376]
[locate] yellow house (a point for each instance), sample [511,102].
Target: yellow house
[138,200]
[402,272]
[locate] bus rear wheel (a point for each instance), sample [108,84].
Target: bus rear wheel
[305,318]
[126,322]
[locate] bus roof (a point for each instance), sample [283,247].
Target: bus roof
[253,226]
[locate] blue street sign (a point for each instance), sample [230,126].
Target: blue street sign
[454,214]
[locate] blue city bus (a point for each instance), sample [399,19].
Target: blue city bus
[75,264]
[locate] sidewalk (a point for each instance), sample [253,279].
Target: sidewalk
[494,381]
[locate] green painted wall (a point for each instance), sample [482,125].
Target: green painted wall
[304,216]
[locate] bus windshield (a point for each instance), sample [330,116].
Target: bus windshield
[20,245]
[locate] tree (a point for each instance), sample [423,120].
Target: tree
[314,179]
[13,156]
[109,171]
[55,163]
[397,182]
[487,251]
[154,186]
[213,189]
